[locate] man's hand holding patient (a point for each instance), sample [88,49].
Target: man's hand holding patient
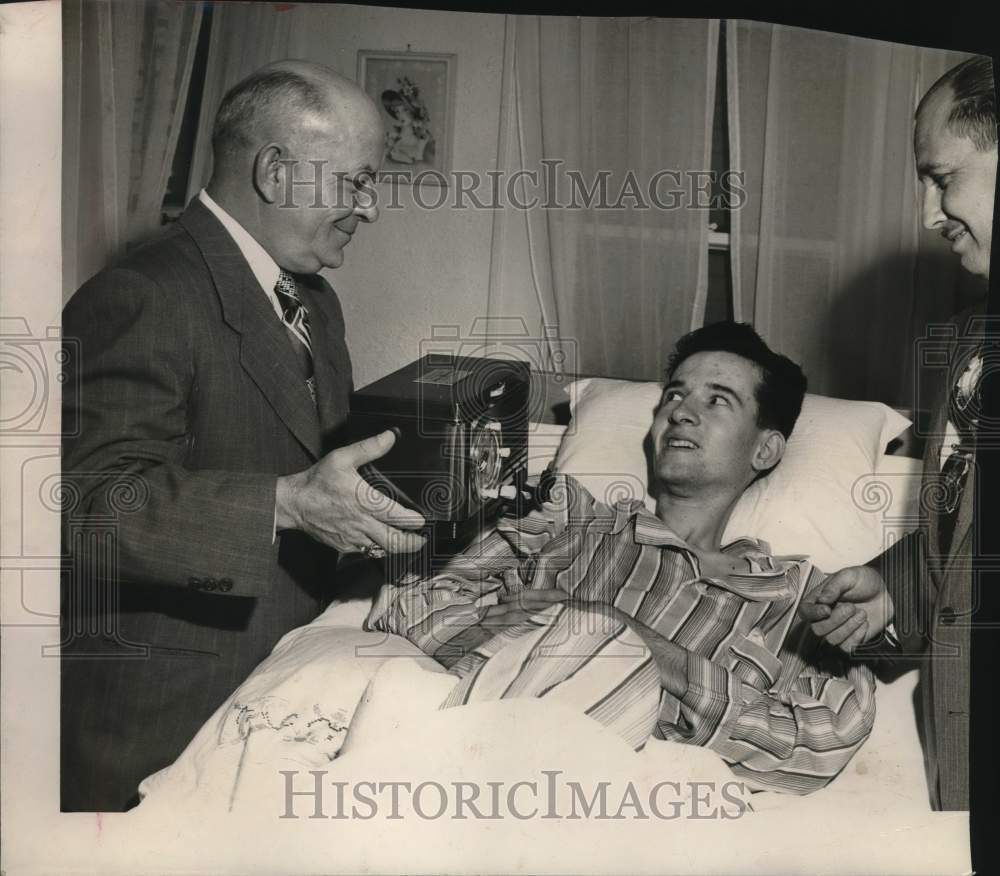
[850,608]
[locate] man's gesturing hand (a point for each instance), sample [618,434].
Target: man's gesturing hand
[849,608]
[332,503]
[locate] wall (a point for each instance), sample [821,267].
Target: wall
[415,269]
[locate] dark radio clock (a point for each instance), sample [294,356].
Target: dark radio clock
[462,435]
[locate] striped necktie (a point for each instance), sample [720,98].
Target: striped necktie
[295,318]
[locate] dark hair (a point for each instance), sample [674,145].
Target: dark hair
[391,99]
[781,386]
[254,103]
[973,112]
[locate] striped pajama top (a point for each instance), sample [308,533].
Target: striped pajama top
[782,708]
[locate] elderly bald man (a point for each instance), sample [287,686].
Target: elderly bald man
[209,503]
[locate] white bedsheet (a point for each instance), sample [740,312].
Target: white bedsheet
[294,712]
[871,819]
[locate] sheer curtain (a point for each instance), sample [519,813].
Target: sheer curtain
[126,73]
[623,99]
[828,257]
[244,36]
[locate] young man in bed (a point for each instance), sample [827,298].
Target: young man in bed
[923,583]
[647,622]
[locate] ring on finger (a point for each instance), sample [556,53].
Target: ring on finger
[373,551]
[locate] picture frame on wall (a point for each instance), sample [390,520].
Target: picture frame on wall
[415,93]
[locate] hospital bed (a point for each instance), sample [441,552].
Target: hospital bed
[358,710]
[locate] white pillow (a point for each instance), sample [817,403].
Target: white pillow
[804,506]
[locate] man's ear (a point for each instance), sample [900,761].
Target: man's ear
[770,449]
[269,173]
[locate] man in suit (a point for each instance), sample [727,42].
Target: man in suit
[206,502]
[923,584]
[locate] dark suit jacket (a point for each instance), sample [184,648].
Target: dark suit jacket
[190,404]
[934,600]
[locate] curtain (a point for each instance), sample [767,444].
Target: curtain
[827,255]
[244,36]
[126,73]
[617,276]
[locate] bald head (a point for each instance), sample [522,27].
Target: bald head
[289,102]
[296,149]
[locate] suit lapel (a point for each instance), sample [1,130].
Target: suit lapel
[266,353]
[963,523]
[932,475]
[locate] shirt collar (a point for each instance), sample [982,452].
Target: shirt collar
[264,268]
[766,580]
[649,529]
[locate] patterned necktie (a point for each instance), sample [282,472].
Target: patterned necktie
[296,321]
[963,414]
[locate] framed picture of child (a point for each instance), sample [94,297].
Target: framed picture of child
[415,92]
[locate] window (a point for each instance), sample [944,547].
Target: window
[719,299]
[719,302]
[175,199]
